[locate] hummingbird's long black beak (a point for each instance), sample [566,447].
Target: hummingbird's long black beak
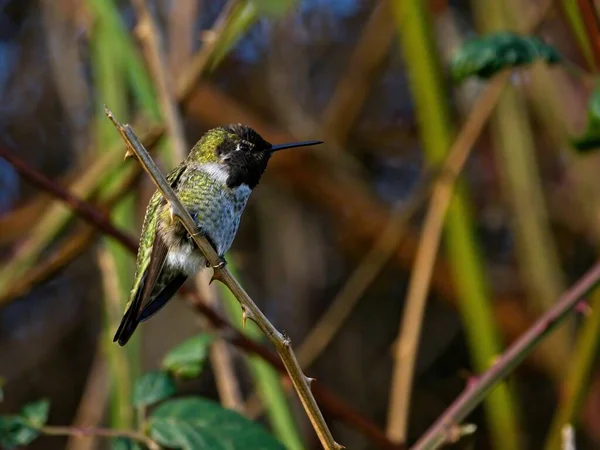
[276,148]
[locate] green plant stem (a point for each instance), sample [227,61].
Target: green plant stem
[108,64]
[576,383]
[425,81]
[139,80]
[266,379]
[515,155]
[571,9]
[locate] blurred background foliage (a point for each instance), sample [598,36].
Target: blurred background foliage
[328,242]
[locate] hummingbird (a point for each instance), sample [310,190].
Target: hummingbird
[213,183]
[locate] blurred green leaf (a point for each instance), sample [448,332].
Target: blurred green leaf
[273,8]
[17,431]
[486,55]
[124,443]
[198,424]
[187,359]
[242,17]
[591,137]
[36,413]
[152,387]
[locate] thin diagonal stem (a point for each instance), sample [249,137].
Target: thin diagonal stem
[147,31]
[251,311]
[335,407]
[516,353]
[412,319]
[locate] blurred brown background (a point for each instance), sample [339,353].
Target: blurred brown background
[331,70]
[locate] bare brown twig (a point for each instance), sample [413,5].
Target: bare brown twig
[181,21]
[221,273]
[476,391]
[74,245]
[84,209]
[335,407]
[353,88]
[93,401]
[412,319]
[221,358]
[148,33]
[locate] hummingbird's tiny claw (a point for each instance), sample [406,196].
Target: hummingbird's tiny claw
[128,154]
[222,263]
[244,317]
[172,214]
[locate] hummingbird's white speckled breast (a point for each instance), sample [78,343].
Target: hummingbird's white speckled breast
[216,209]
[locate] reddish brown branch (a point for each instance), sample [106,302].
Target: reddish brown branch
[592,26]
[84,209]
[334,406]
[516,353]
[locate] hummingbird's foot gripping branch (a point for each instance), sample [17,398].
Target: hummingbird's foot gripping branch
[282,344]
[221,265]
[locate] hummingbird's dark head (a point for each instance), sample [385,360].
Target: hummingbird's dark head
[246,154]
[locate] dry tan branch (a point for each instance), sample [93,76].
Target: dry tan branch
[282,343]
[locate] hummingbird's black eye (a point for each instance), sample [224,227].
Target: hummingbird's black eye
[244,146]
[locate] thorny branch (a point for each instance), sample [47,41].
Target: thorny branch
[221,273]
[335,407]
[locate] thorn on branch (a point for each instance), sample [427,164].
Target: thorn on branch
[221,265]
[246,314]
[288,358]
[455,433]
[472,381]
[583,308]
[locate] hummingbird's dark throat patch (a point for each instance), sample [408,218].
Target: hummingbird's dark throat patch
[246,155]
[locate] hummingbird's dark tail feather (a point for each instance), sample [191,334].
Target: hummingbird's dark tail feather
[133,316]
[128,325]
[162,298]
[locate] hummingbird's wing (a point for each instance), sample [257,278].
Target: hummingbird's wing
[150,263]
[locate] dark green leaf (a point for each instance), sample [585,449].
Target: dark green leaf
[123,443]
[591,137]
[486,55]
[152,387]
[16,432]
[198,424]
[187,359]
